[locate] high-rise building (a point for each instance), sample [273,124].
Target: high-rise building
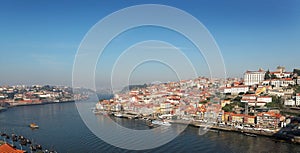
[254,77]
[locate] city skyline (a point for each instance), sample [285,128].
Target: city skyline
[39,39]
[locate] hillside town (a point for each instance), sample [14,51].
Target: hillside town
[36,94]
[262,102]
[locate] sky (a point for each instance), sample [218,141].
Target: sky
[39,39]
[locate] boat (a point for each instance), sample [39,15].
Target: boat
[118,115]
[2,109]
[251,135]
[14,137]
[33,126]
[56,101]
[32,147]
[150,125]
[157,122]
[38,147]
[23,142]
[28,141]
[101,112]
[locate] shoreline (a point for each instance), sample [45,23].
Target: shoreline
[275,136]
[42,103]
[34,104]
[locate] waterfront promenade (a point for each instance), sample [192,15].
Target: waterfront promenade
[273,134]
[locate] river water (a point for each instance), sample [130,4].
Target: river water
[62,129]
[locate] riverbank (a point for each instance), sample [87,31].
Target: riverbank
[276,135]
[273,134]
[40,103]
[2,109]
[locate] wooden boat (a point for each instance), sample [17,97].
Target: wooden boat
[33,126]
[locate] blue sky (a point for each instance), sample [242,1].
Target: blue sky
[39,39]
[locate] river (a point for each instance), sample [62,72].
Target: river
[62,129]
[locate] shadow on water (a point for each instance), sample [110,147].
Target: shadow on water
[290,133]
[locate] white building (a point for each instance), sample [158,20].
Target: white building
[254,77]
[239,89]
[249,98]
[266,99]
[284,82]
[280,74]
[266,82]
[254,100]
[256,103]
[276,92]
[227,90]
[298,99]
[289,102]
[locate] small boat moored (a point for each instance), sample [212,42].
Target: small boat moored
[251,135]
[161,123]
[3,108]
[120,115]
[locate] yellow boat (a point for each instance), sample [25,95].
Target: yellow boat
[33,125]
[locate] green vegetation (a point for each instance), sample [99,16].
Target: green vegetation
[286,112]
[296,88]
[273,76]
[267,75]
[229,107]
[276,102]
[133,87]
[297,71]
[237,99]
[273,104]
[204,102]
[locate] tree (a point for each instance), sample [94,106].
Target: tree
[267,75]
[296,89]
[203,102]
[237,99]
[276,102]
[273,104]
[297,71]
[228,108]
[273,76]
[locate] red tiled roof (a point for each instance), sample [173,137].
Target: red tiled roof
[270,114]
[7,148]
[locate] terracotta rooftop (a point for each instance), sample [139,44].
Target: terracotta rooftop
[7,148]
